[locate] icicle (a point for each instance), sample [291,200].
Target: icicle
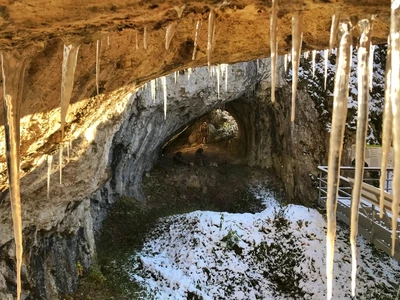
[189,72]
[289,57]
[341,92]
[386,128]
[153,90]
[371,66]
[351,60]
[164,84]
[285,62]
[274,46]
[179,10]
[108,41]
[13,71]
[218,73]
[145,38]
[306,54]
[313,54]
[297,36]
[196,36]
[169,34]
[137,41]
[326,54]
[175,77]
[97,65]
[395,98]
[362,125]
[211,32]
[67,83]
[225,68]
[333,34]
[60,159]
[49,162]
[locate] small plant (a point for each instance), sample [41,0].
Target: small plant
[79,269]
[232,239]
[221,221]
[280,221]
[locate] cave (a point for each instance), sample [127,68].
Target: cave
[117,126]
[216,132]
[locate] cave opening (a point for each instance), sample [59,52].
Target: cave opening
[216,133]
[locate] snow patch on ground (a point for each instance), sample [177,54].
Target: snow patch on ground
[278,253]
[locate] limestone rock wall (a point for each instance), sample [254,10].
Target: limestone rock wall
[108,158]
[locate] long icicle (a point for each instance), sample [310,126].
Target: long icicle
[341,92]
[326,54]
[145,38]
[297,37]
[386,128]
[164,85]
[334,30]
[274,45]
[211,33]
[371,66]
[395,98]
[217,69]
[97,65]
[67,83]
[49,162]
[362,125]
[13,72]
[136,40]
[169,34]
[313,55]
[196,36]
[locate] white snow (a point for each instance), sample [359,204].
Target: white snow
[278,253]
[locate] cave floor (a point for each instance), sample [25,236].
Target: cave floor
[172,190]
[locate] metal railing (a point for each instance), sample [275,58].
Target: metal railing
[373,228]
[371,176]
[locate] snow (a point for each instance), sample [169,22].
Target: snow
[278,253]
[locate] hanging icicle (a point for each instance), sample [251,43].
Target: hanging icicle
[67,83]
[211,33]
[169,34]
[164,85]
[274,46]
[97,65]
[13,66]
[371,65]
[361,135]
[395,99]
[108,41]
[196,36]
[49,162]
[341,92]
[153,90]
[189,72]
[386,128]
[334,31]
[285,62]
[313,55]
[145,38]
[217,69]
[306,54]
[297,36]
[326,54]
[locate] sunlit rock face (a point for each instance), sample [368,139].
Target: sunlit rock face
[116,136]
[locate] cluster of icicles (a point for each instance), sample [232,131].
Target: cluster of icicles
[13,68]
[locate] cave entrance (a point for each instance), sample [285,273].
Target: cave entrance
[216,133]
